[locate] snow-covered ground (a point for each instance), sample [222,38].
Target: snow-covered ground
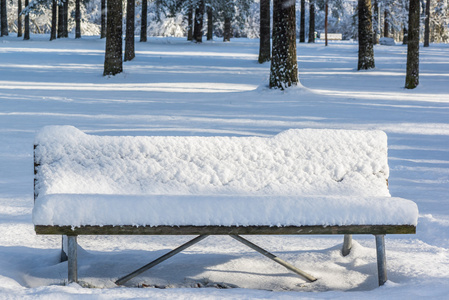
[174,87]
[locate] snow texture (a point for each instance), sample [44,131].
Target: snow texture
[350,166]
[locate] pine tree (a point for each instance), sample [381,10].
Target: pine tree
[4,18]
[77,19]
[265,28]
[129,38]
[54,17]
[113,62]
[284,64]
[19,18]
[26,34]
[199,18]
[302,23]
[210,23]
[427,25]
[366,48]
[312,22]
[103,20]
[412,77]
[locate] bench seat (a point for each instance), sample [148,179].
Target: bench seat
[77,210]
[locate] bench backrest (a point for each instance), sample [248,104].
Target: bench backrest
[294,162]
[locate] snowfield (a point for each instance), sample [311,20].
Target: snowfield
[174,87]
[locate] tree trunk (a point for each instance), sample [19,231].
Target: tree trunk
[66,19]
[386,24]
[4,17]
[198,26]
[190,22]
[54,19]
[366,48]
[26,34]
[103,19]
[376,17]
[113,63]
[405,37]
[129,39]
[312,23]
[77,19]
[144,21]
[227,32]
[412,77]
[19,18]
[210,24]
[265,28]
[427,25]
[60,20]
[326,15]
[284,64]
[302,23]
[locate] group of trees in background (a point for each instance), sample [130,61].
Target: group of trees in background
[364,20]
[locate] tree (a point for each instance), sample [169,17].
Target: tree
[284,64]
[302,23]
[129,38]
[326,16]
[427,25]
[60,20]
[312,22]
[227,30]
[412,76]
[26,35]
[210,23]
[19,18]
[366,48]
[103,19]
[77,19]
[113,62]
[265,28]
[4,18]
[198,26]
[54,16]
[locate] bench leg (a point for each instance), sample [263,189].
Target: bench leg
[157,261]
[274,257]
[72,258]
[347,245]
[381,259]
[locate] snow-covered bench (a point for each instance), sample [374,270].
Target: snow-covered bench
[297,182]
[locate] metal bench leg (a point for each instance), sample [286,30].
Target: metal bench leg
[381,259]
[274,257]
[72,258]
[347,245]
[157,261]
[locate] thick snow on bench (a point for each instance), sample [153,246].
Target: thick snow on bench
[283,180]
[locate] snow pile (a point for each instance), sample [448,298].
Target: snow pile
[216,180]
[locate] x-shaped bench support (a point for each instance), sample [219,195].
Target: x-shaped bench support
[200,238]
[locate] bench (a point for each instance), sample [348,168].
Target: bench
[296,183]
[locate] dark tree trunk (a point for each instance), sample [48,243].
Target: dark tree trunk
[405,37]
[284,63]
[265,28]
[19,18]
[77,19]
[26,34]
[227,32]
[376,17]
[366,47]
[427,25]
[129,39]
[54,19]
[4,17]
[190,23]
[113,63]
[302,23]
[66,19]
[103,19]
[60,20]
[312,23]
[412,77]
[144,21]
[210,24]
[198,26]
[326,15]
[386,24]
